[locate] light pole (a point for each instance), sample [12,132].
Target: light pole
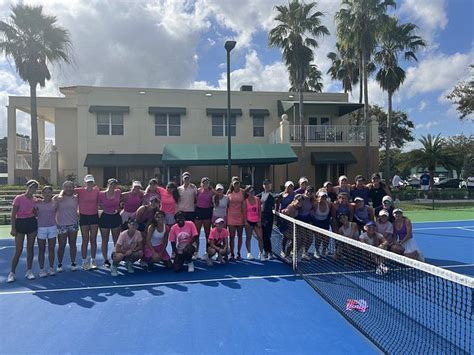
[229,45]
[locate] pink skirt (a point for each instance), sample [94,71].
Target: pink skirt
[147,253]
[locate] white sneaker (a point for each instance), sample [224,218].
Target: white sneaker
[316,254]
[262,257]
[282,254]
[113,270]
[42,273]
[249,256]
[86,266]
[29,275]
[305,257]
[51,271]
[195,256]
[129,266]
[269,256]
[191,267]
[73,267]
[59,268]
[11,277]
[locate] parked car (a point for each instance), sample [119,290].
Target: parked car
[448,184]
[467,184]
[412,182]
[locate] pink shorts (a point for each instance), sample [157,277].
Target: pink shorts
[147,254]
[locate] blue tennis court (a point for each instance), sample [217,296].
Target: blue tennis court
[248,307]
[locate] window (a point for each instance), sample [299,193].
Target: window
[325,121]
[109,123]
[258,126]
[219,125]
[167,125]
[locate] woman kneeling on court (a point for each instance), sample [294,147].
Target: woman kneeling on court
[403,237]
[129,248]
[183,238]
[218,243]
[154,250]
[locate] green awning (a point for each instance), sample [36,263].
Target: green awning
[342,107]
[109,109]
[216,154]
[123,160]
[166,110]
[259,112]
[332,158]
[223,111]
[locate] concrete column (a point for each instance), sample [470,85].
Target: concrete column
[83,124]
[41,134]
[11,143]
[374,132]
[54,166]
[284,129]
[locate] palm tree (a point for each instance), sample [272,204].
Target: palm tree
[431,155]
[314,81]
[298,26]
[33,40]
[357,25]
[394,39]
[344,67]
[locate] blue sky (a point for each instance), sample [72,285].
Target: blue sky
[179,44]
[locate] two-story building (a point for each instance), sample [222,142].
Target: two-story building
[135,133]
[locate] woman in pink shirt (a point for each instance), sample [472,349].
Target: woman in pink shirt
[66,219]
[47,230]
[110,220]
[24,223]
[169,199]
[88,200]
[151,191]
[204,208]
[235,216]
[183,238]
[129,248]
[252,220]
[132,200]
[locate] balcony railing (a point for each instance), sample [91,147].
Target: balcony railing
[23,144]
[23,159]
[346,134]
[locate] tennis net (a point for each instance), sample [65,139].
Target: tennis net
[402,305]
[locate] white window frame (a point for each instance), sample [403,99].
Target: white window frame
[110,124]
[262,126]
[168,125]
[223,124]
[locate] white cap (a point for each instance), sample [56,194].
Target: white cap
[136,183]
[383,213]
[387,198]
[397,210]
[89,178]
[219,220]
[322,193]
[358,198]
[219,187]
[302,179]
[342,177]
[288,183]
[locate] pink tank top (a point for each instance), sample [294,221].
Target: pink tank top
[66,214]
[133,202]
[88,200]
[110,206]
[252,210]
[204,199]
[46,213]
[168,204]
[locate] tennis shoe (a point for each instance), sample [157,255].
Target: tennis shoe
[51,271]
[73,267]
[305,257]
[316,255]
[93,264]
[107,263]
[249,256]
[129,266]
[113,271]
[86,266]
[59,268]
[269,256]
[191,267]
[282,254]
[195,256]
[11,277]
[42,273]
[29,275]
[262,257]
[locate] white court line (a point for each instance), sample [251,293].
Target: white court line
[429,228]
[458,265]
[466,229]
[148,284]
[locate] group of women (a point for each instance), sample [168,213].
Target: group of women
[141,223]
[346,210]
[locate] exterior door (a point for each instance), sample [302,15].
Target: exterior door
[321,174]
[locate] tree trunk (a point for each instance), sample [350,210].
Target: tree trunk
[302,133]
[388,137]
[34,134]
[368,165]
[361,87]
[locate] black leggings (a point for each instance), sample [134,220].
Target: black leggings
[267,227]
[185,257]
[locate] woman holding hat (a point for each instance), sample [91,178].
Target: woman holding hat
[110,220]
[66,220]
[132,200]
[88,200]
[220,203]
[204,208]
[403,237]
[24,223]
[235,216]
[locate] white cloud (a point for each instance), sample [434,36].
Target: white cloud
[422,105]
[428,125]
[429,15]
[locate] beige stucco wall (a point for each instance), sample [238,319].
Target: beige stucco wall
[66,141]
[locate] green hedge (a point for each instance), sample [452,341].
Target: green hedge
[446,194]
